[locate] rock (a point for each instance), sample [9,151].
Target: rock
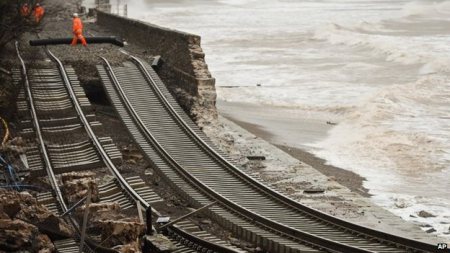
[24,206]
[76,188]
[314,190]
[45,220]
[115,232]
[69,176]
[100,211]
[431,230]
[44,244]
[206,222]
[11,207]
[425,214]
[158,243]
[133,247]
[17,235]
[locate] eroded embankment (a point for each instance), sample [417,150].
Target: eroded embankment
[184,70]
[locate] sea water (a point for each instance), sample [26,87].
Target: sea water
[379,69]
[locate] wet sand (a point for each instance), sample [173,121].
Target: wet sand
[305,131]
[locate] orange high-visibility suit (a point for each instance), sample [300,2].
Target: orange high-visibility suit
[24,10]
[38,13]
[78,32]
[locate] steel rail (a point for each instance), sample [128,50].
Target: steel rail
[289,232]
[46,157]
[389,238]
[106,159]
[42,147]
[108,162]
[128,106]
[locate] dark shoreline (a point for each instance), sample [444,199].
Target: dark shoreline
[346,178]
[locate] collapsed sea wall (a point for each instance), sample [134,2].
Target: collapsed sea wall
[184,69]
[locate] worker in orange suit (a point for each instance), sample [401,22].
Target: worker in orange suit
[38,13]
[25,10]
[77,31]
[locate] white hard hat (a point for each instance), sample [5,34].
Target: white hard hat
[75,15]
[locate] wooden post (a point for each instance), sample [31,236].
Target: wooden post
[139,209]
[148,217]
[85,218]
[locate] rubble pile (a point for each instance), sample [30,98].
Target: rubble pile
[76,185]
[105,218]
[27,225]
[120,232]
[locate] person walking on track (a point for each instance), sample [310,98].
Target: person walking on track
[38,13]
[25,10]
[77,30]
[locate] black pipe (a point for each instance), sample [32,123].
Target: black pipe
[66,41]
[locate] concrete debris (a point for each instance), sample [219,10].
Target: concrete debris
[158,243]
[18,235]
[69,176]
[23,206]
[76,185]
[425,214]
[116,232]
[100,211]
[27,225]
[133,247]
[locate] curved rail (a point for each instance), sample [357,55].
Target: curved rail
[372,236]
[406,242]
[108,162]
[307,238]
[42,147]
[46,157]
[128,106]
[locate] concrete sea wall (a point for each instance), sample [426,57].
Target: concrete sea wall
[184,69]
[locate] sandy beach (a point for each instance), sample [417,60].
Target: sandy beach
[269,123]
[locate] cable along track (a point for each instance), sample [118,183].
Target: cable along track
[192,164]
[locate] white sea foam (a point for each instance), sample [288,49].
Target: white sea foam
[427,9]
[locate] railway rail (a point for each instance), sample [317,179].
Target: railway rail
[57,88]
[186,158]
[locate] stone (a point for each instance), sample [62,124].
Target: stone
[425,214]
[44,244]
[69,176]
[100,211]
[431,230]
[77,188]
[16,235]
[45,220]
[23,206]
[158,243]
[115,232]
[205,222]
[130,248]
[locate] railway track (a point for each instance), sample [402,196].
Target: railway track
[58,203]
[185,157]
[58,112]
